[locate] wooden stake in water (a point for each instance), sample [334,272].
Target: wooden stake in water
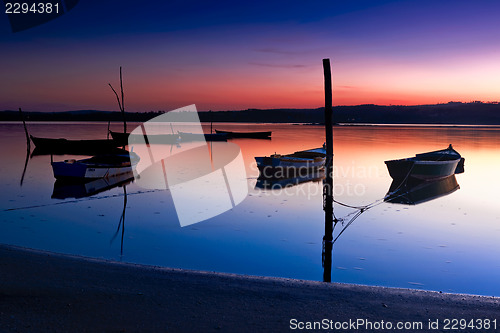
[28,142]
[328,184]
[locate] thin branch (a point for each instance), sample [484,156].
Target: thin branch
[121,87]
[117,98]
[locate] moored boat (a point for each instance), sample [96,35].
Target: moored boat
[99,166]
[76,147]
[248,135]
[427,166]
[292,165]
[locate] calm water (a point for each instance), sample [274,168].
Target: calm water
[449,244]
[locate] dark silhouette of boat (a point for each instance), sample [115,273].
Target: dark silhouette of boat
[186,137]
[126,138]
[75,147]
[248,135]
[99,166]
[427,166]
[414,191]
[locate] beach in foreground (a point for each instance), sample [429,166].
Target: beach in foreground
[46,292]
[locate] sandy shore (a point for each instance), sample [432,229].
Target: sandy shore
[46,292]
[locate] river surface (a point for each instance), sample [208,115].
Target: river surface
[447,241]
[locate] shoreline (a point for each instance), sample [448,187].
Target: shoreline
[48,292]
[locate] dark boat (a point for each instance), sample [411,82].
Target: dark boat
[75,147]
[186,137]
[415,191]
[99,166]
[427,166]
[126,138]
[248,135]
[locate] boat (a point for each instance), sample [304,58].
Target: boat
[297,164]
[126,138]
[75,147]
[248,135]
[427,166]
[99,166]
[415,191]
[185,137]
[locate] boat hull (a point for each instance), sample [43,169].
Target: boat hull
[76,147]
[104,166]
[425,170]
[298,164]
[126,138]
[427,166]
[247,135]
[186,137]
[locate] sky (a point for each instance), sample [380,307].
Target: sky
[235,55]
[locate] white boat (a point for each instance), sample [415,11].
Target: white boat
[99,166]
[292,165]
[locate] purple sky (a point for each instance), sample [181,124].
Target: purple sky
[222,55]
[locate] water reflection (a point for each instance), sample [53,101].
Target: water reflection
[413,192]
[405,190]
[121,223]
[267,183]
[279,234]
[64,189]
[28,150]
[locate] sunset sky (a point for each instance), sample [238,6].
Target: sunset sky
[231,55]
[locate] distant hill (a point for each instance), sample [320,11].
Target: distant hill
[78,115]
[475,113]
[451,113]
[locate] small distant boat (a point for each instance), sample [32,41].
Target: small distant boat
[249,135]
[297,164]
[200,137]
[75,147]
[126,138]
[99,166]
[427,166]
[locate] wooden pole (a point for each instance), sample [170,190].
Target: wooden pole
[328,184]
[28,142]
[328,112]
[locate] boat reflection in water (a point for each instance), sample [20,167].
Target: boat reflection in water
[272,183]
[413,191]
[64,189]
